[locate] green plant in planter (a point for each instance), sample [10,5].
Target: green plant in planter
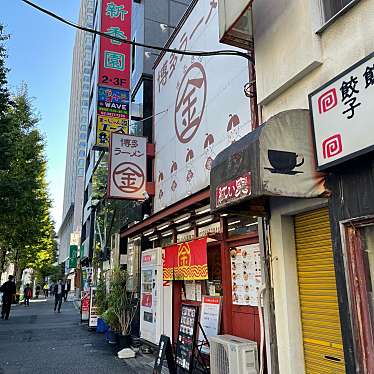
[122,301]
[111,319]
[101,297]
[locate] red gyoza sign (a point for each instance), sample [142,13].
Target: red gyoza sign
[115,56]
[233,190]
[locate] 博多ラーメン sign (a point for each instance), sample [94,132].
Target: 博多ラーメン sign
[115,56]
[127,174]
[202,110]
[343,114]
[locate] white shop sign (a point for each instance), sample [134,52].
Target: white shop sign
[127,176]
[201,105]
[343,114]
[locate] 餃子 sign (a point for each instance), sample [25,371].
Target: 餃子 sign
[127,174]
[343,115]
[201,104]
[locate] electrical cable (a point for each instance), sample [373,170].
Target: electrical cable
[247,56]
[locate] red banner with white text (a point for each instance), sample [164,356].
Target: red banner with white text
[186,261]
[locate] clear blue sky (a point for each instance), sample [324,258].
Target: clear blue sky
[40,54]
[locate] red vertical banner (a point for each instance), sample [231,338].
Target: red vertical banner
[115,56]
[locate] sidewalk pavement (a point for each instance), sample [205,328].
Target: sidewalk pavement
[36,340]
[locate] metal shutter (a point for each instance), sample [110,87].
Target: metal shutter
[323,348]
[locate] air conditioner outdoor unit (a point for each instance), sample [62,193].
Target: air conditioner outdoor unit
[233,355]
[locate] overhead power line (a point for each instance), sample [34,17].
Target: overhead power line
[247,56]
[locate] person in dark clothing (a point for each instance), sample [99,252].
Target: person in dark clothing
[27,294]
[59,292]
[67,290]
[9,290]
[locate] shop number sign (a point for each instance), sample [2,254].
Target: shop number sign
[343,113]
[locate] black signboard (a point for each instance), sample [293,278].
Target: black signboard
[164,351]
[184,352]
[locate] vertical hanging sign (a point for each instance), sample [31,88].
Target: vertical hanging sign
[114,71]
[127,167]
[115,56]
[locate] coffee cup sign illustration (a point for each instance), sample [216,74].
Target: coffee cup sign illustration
[284,162]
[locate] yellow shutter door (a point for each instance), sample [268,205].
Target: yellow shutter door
[323,348]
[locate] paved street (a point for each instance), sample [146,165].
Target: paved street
[36,340]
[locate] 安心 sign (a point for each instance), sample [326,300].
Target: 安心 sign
[343,115]
[127,177]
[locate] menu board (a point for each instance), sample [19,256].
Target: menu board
[184,350]
[92,321]
[85,305]
[164,351]
[245,274]
[210,319]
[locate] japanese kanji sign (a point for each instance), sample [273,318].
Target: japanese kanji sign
[186,261]
[115,56]
[127,177]
[343,113]
[202,104]
[106,125]
[233,190]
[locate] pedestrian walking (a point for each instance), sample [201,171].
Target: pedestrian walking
[27,294]
[67,290]
[9,291]
[37,291]
[59,292]
[45,289]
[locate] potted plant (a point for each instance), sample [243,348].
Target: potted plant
[111,320]
[123,303]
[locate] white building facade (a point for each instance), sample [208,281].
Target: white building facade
[77,133]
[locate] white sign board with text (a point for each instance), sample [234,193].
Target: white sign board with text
[202,107]
[343,115]
[127,176]
[210,318]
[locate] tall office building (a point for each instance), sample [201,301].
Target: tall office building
[152,23]
[77,133]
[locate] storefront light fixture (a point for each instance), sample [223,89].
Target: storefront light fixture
[153,238]
[204,220]
[163,226]
[167,233]
[184,227]
[149,232]
[251,224]
[203,210]
[183,218]
[234,222]
[232,229]
[137,238]
[224,214]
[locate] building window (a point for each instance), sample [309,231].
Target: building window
[82,153]
[87,71]
[81,163]
[83,128]
[82,145]
[81,172]
[83,135]
[333,7]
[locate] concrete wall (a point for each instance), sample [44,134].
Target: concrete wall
[285,282]
[293,58]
